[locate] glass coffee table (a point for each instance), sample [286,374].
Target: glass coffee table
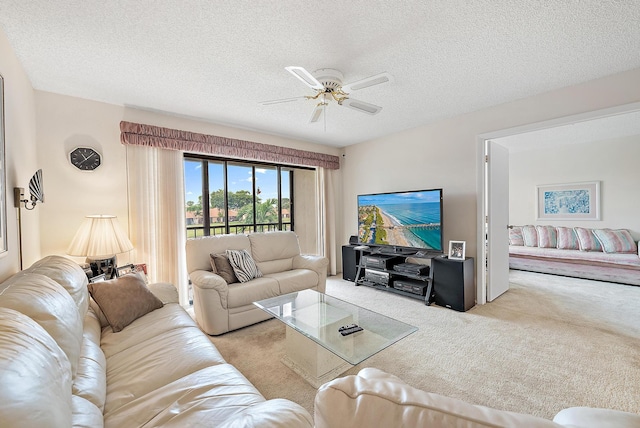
[315,349]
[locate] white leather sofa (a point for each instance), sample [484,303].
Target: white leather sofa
[61,365]
[375,398]
[221,307]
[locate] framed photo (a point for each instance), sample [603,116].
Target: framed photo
[141,268]
[123,270]
[98,278]
[571,201]
[457,250]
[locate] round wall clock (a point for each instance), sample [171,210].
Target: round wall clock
[85,158]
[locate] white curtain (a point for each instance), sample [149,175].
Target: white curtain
[156,214]
[327,227]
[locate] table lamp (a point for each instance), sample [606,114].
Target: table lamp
[100,238]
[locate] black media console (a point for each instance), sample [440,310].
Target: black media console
[447,283]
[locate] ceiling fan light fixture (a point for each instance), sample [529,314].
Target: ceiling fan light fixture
[306,77]
[327,84]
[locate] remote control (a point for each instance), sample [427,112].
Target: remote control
[346,330]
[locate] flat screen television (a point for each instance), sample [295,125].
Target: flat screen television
[401,220]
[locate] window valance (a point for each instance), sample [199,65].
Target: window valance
[174,139]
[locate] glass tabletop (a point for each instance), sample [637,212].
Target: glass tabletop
[319,316]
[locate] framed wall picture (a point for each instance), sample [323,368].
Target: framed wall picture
[457,250]
[571,201]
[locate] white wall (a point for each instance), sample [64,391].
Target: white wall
[444,154]
[20,158]
[64,123]
[614,163]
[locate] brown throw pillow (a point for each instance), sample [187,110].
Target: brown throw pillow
[224,268]
[123,300]
[212,260]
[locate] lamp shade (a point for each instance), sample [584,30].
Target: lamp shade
[99,236]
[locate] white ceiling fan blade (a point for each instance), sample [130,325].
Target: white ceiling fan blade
[361,106]
[283,100]
[317,113]
[306,77]
[367,82]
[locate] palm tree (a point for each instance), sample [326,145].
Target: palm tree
[267,211]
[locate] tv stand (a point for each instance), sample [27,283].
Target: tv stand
[375,269]
[450,283]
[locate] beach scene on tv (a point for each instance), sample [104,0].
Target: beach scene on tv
[407,219]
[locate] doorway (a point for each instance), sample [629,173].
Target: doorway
[490,199]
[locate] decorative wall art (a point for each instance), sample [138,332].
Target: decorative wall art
[571,201]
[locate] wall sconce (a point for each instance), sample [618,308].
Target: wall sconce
[36,189]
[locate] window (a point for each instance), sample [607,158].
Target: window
[237,196]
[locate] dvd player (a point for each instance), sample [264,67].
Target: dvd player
[377,277]
[413,287]
[412,268]
[380,261]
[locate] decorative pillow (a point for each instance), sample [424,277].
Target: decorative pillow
[224,268]
[530,236]
[547,236]
[123,300]
[567,238]
[212,260]
[515,236]
[243,265]
[616,241]
[587,240]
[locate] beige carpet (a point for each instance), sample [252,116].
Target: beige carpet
[550,342]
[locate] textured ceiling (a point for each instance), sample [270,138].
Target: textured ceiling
[216,60]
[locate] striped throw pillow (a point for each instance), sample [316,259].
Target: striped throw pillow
[587,240]
[547,236]
[616,241]
[567,238]
[530,236]
[515,236]
[243,265]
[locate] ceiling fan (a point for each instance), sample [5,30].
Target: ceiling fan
[327,84]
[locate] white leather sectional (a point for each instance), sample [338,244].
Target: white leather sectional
[61,365]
